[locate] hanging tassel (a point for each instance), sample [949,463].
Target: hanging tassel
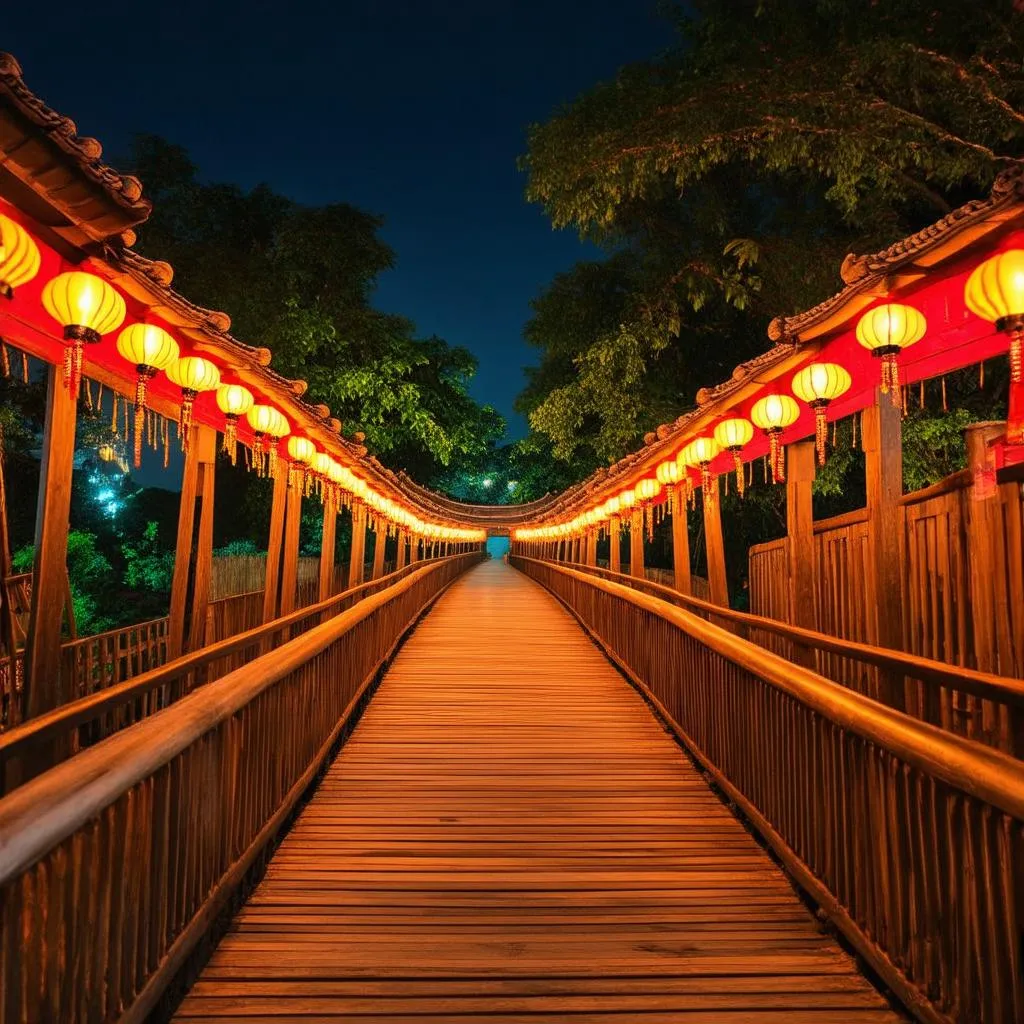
[141,380]
[737,461]
[820,432]
[903,401]
[167,443]
[773,441]
[124,410]
[88,394]
[920,396]
[853,430]
[727,483]
[981,374]
[750,473]
[835,434]
[945,405]
[24,367]
[5,359]
[113,413]
[99,399]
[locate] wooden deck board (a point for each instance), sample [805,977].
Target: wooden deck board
[510,835]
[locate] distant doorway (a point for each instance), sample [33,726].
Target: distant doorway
[497,547]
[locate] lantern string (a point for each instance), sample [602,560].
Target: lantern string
[167,443]
[920,399]
[24,367]
[945,404]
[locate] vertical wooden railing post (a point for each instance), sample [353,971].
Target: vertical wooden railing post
[206,445]
[379,543]
[718,582]
[680,543]
[882,437]
[358,552]
[615,544]
[327,543]
[275,543]
[43,683]
[183,548]
[636,545]
[800,469]
[290,554]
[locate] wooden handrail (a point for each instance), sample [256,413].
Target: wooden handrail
[987,685]
[79,712]
[970,767]
[905,834]
[954,482]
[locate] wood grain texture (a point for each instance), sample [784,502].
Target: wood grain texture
[511,835]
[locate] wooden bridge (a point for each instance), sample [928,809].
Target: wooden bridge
[401,782]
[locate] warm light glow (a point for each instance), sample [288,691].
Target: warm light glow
[773,414]
[301,450]
[647,490]
[627,499]
[87,308]
[151,349]
[732,434]
[233,400]
[193,373]
[886,331]
[669,473]
[703,450]
[612,506]
[995,292]
[266,422]
[817,385]
[19,257]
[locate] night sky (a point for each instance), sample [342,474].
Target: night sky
[413,110]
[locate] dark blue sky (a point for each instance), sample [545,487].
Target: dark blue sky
[413,110]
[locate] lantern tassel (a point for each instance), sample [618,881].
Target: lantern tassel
[737,461]
[773,456]
[231,437]
[1016,357]
[820,431]
[188,397]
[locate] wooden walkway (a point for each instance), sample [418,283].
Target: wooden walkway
[510,835]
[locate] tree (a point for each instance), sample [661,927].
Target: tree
[299,280]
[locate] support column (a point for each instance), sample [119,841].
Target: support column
[615,544]
[636,544]
[592,546]
[43,685]
[206,441]
[882,436]
[202,450]
[327,540]
[379,543]
[801,563]
[290,561]
[717,581]
[400,555]
[680,543]
[275,542]
[358,552]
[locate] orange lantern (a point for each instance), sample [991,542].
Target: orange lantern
[193,375]
[995,292]
[151,349]
[773,414]
[887,330]
[19,257]
[817,385]
[233,400]
[87,308]
[732,435]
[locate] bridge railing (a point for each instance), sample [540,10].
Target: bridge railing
[908,837]
[979,705]
[114,864]
[46,739]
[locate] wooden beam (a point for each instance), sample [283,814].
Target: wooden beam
[206,443]
[275,543]
[882,438]
[379,543]
[183,548]
[636,545]
[43,684]
[801,563]
[290,554]
[358,549]
[717,579]
[327,538]
[680,543]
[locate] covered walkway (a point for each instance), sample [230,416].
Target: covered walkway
[511,835]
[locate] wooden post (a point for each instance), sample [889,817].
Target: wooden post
[8,643]
[400,556]
[882,437]
[183,548]
[290,559]
[615,544]
[800,460]
[358,552]
[206,444]
[379,542]
[636,545]
[327,539]
[275,542]
[592,546]
[717,581]
[43,685]
[680,543]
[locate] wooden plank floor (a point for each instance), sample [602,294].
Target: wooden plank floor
[511,836]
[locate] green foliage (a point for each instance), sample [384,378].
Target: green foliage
[299,280]
[148,565]
[237,547]
[933,447]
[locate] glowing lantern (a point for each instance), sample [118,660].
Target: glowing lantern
[267,425]
[732,434]
[151,349]
[627,499]
[87,308]
[19,257]
[322,468]
[886,331]
[233,400]
[995,292]
[702,451]
[668,474]
[817,385]
[612,506]
[192,374]
[773,414]
[301,453]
